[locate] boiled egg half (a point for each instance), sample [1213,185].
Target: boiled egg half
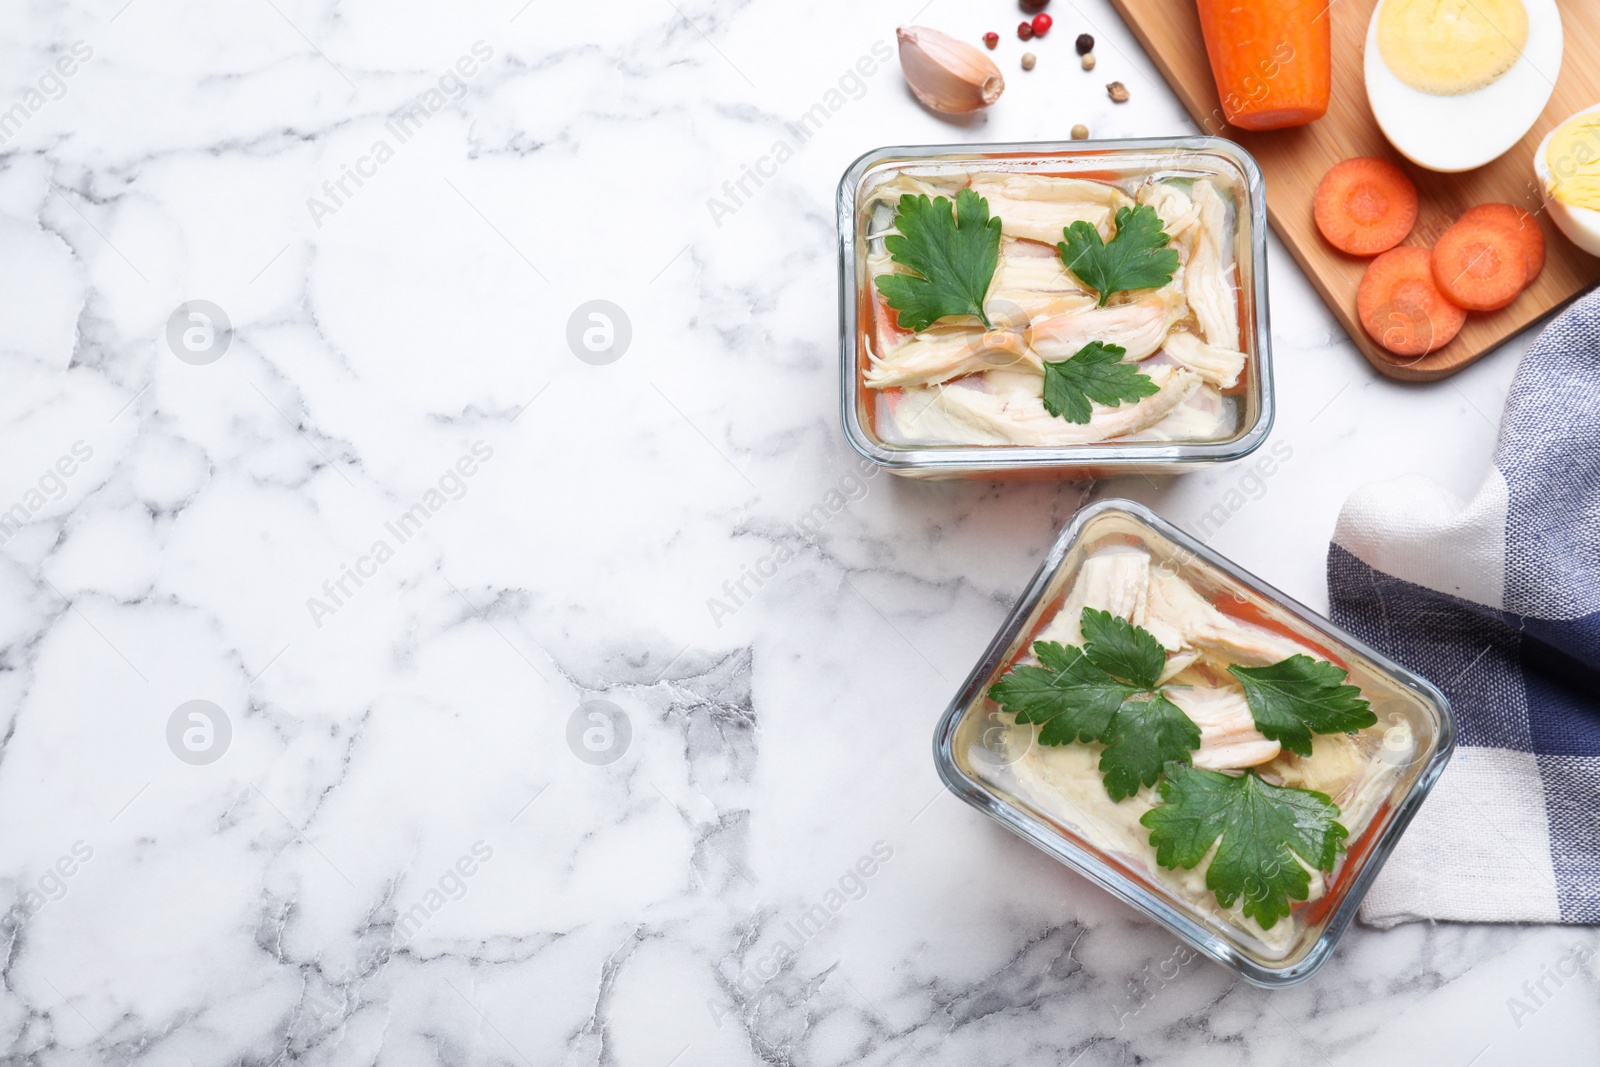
[1568,167]
[1455,83]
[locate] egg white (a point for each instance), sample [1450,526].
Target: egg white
[1456,133]
[1580,224]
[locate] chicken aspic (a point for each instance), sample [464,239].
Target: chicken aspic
[1019,308]
[1227,761]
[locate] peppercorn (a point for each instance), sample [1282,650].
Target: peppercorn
[1025,30]
[991,39]
[1085,43]
[1080,132]
[1028,60]
[1042,24]
[1088,61]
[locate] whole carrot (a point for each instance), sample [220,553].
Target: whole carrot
[1271,59]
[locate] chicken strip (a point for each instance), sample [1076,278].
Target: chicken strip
[1229,739]
[1035,307]
[1177,662]
[1116,581]
[1047,189]
[1025,287]
[1035,273]
[1139,327]
[1037,208]
[1208,276]
[966,415]
[1030,285]
[1219,366]
[1179,618]
[942,353]
[903,184]
[1177,212]
[1205,415]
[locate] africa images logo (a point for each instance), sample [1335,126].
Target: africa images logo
[199,732]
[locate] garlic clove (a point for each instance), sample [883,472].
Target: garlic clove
[946,74]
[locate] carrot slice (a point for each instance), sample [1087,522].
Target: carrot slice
[1365,206]
[1401,307]
[1525,225]
[1272,60]
[1479,265]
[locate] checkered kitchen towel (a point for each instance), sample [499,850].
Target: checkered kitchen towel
[1497,601]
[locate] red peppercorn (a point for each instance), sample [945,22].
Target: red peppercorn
[991,39]
[1025,31]
[1041,24]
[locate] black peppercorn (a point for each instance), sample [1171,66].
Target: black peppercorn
[1085,43]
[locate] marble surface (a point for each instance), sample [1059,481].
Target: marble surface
[398,538]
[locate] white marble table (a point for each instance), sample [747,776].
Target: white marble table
[397,533]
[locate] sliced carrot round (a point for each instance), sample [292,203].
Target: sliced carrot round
[1479,265]
[1365,206]
[1401,307]
[1525,225]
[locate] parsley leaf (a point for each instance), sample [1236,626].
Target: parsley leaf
[1096,373]
[1104,692]
[1136,257]
[1263,828]
[1122,649]
[1145,737]
[954,259]
[1068,696]
[1296,697]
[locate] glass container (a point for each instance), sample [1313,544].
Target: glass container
[1127,164]
[979,756]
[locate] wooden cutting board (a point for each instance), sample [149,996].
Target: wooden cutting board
[1295,160]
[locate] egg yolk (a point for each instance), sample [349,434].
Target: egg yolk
[1447,47]
[1573,159]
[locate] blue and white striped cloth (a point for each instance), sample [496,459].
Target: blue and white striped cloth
[1497,601]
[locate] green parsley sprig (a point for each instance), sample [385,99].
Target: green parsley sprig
[1106,692]
[1136,257]
[1095,373]
[1261,829]
[954,256]
[1294,698]
[1109,692]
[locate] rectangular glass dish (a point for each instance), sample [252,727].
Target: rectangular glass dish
[1119,557]
[981,422]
